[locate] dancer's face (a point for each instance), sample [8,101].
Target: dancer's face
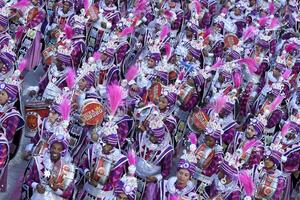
[3,97]
[183,176]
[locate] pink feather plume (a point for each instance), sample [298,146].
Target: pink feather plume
[263,21]
[249,33]
[23,65]
[247,182]
[65,108]
[126,31]
[168,49]
[271,8]
[164,32]
[219,63]
[207,32]
[168,14]
[132,73]
[70,79]
[181,75]
[21,4]
[131,157]
[193,138]
[220,103]
[290,47]
[97,56]
[69,31]
[277,101]
[249,144]
[251,64]
[287,73]
[237,79]
[197,6]
[274,23]
[114,97]
[285,128]
[86,5]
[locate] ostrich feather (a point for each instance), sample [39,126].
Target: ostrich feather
[277,101]
[164,32]
[249,33]
[193,138]
[219,63]
[290,47]
[251,64]
[132,73]
[70,79]
[65,108]
[247,182]
[23,65]
[97,56]
[237,79]
[69,31]
[274,23]
[21,4]
[285,128]
[271,8]
[219,103]
[168,49]
[263,21]
[131,157]
[114,97]
[126,31]
[197,6]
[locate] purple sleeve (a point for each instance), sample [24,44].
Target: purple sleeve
[255,158]
[280,188]
[214,166]
[166,164]
[123,129]
[292,163]
[114,178]
[33,174]
[67,193]
[274,119]
[121,53]
[10,125]
[235,195]
[177,23]
[228,135]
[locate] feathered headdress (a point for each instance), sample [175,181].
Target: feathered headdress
[114,98]
[251,64]
[132,73]
[65,108]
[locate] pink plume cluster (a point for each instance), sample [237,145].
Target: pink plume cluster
[70,79]
[69,31]
[277,101]
[263,21]
[193,138]
[285,128]
[219,103]
[23,65]
[249,33]
[114,97]
[290,47]
[168,49]
[198,7]
[65,108]
[274,23]
[132,73]
[131,157]
[237,79]
[126,31]
[164,32]
[271,8]
[97,56]
[21,4]
[219,63]
[247,182]
[251,64]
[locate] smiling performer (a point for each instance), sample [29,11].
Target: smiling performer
[51,175]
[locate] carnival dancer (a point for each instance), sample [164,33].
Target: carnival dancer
[181,184]
[7,58]
[154,153]
[248,145]
[10,120]
[103,165]
[50,175]
[270,181]
[30,48]
[209,155]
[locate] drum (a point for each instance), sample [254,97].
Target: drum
[92,112]
[230,40]
[155,92]
[197,121]
[34,111]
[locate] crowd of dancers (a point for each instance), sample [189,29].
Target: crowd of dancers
[152,99]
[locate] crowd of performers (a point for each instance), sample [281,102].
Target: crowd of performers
[153,100]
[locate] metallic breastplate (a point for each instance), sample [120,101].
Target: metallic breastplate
[204,155]
[267,187]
